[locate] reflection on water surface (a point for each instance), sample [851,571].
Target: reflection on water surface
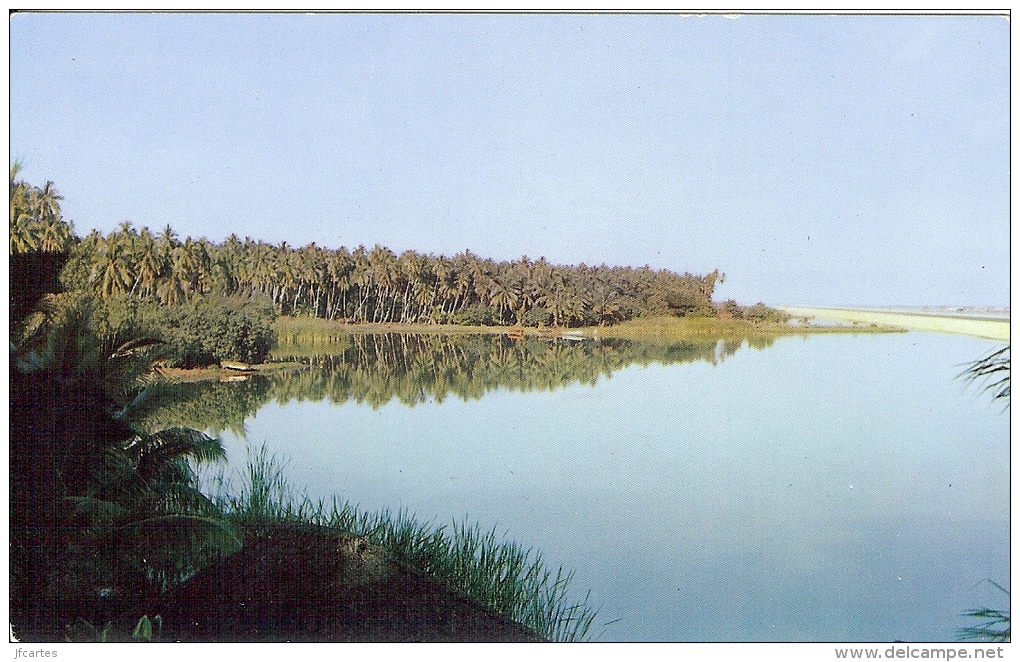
[829,488]
[373,369]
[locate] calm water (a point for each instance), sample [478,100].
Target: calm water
[829,488]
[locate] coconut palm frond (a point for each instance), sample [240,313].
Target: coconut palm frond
[996,622]
[112,468]
[130,407]
[995,627]
[177,536]
[994,371]
[98,510]
[160,448]
[170,548]
[57,333]
[132,346]
[48,311]
[123,364]
[179,498]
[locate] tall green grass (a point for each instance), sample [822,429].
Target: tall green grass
[307,337]
[307,331]
[482,566]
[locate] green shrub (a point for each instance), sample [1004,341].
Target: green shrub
[203,332]
[537,316]
[476,314]
[731,308]
[759,312]
[210,330]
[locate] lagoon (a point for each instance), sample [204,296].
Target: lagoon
[831,487]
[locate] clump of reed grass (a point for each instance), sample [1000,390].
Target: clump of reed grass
[295,335]
[307,332]
[486,568]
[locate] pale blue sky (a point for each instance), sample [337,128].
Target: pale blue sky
[858,160]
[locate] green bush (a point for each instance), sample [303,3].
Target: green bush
[537,316]
[732,308]
[476,315]
[210,330]
[203,332]
[759,312]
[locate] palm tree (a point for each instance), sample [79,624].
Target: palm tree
[46,203]
[502,296]
[111,272]
[171,291]
[24,236]
[463,279]
[605,297]
[382,268]
[563,302]
[167,238]
[339,268]
[35,218]
[204,279]
[95,504]
[184,269]
[144,502]
[148,265]
[55,236]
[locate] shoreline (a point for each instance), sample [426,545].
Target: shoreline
[210,373]
[291,329]
[975,324]
[301,336]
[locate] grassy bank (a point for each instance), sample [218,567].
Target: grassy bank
[315,330]
[705,328]
[309,333]
[994,329]
[480,565]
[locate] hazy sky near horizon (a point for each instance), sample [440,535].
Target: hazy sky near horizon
[815,159]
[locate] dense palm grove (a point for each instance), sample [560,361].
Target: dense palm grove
[377,285]
[200,279]
[36,224]
[372,285]
[101,504]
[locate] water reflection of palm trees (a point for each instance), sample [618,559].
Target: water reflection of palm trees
[375,369]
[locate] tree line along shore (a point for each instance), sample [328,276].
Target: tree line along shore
[112,536]
[210,301]
[107,514]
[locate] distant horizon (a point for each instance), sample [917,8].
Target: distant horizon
[822,158]
[904,308]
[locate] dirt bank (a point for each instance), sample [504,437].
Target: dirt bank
[301,583]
